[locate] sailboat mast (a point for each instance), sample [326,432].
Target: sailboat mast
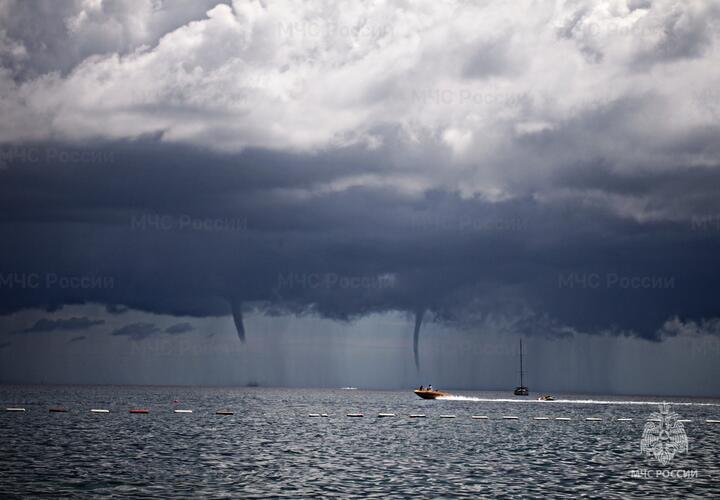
[521,366]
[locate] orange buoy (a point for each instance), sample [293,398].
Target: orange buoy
[139,411]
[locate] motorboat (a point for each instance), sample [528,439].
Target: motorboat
[429,393]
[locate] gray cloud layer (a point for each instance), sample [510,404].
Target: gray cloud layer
[179,328]
[136,331]
[50,325]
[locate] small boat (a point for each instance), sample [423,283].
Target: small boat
[429,394]
[546,397]
[521,390]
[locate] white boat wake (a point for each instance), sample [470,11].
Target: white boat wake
[451,397]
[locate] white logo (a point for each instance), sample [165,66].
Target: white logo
[664,436]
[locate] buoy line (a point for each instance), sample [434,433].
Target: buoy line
[18,409]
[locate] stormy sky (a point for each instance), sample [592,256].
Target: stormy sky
[376,194]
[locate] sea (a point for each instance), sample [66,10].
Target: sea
[274,444]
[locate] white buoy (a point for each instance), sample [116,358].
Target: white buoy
[99,410]
[624,419]
[593,419]
[182,411]
[712,421]
[479,417]
[509,417]
[325,415]
[684,420]
[14,409]
[355,415]
[383,415]
[417,415]
[563,418]
[447,416]
[313,414]
[541,418]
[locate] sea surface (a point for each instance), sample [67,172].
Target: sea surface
[271,447]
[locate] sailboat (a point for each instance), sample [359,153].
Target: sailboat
[521,390]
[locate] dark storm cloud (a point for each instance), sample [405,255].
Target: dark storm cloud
[171,244]
[50,325]
[179,328]
[79,338]
[137,331]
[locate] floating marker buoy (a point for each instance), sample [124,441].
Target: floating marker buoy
[224,413]
[14,409]
[712,421]
[509,417]
[57,410]
[313,414]
[563,418]
[182,411]
[355,415]
[99,411]
[447,416]
[594,419]
[139,411]
[684,420]
[479,417]
[624,419]
[417,416]
[383,415]
[541,418]
[324,415]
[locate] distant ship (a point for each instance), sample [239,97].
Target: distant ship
[429,393]
[521,390]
